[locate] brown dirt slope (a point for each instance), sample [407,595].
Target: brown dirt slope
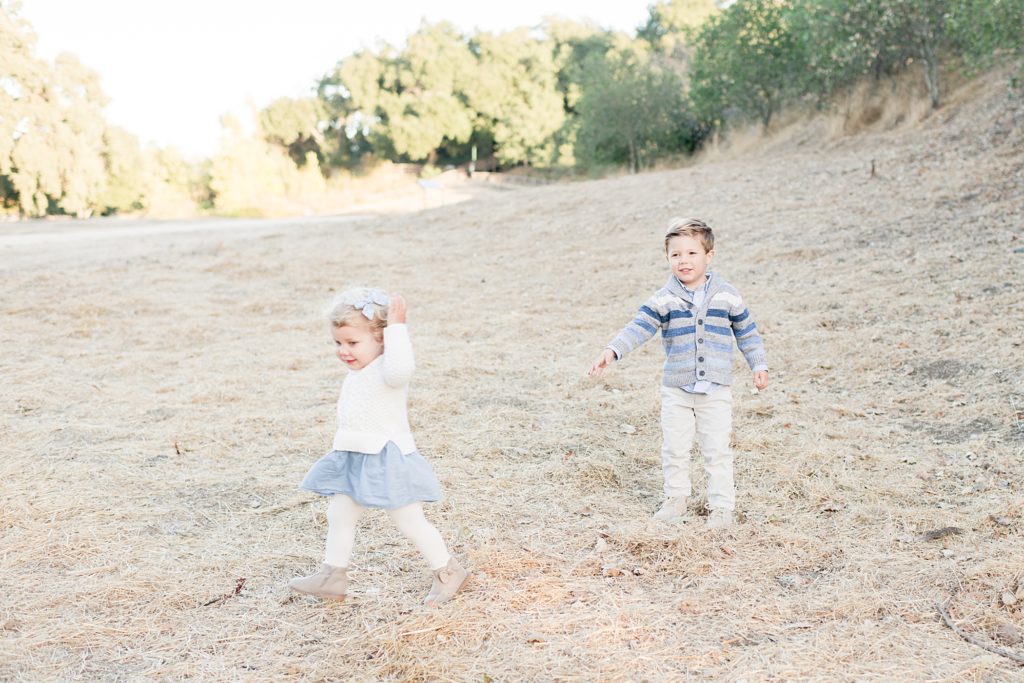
[162,396]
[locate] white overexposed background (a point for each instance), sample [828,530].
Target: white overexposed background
[172,69]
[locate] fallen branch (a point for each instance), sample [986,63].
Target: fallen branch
[1001,651]
[239,583]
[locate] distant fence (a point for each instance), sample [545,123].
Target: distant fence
[513,177]
[520,179]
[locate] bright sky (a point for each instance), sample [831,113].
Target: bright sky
[172,68]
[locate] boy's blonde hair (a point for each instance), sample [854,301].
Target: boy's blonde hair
[360,306]
[691,227]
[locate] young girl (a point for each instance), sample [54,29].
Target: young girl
[373,462]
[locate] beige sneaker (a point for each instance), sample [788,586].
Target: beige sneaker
[719,518]
[329,583]
[672,510]
[447,582]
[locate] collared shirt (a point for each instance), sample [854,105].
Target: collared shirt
[701,386]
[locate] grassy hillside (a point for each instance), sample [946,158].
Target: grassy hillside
[163,395]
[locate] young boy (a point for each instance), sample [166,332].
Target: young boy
[698,314]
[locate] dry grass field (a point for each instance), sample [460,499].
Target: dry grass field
[163,392]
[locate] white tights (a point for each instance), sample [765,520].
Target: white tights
[343,514]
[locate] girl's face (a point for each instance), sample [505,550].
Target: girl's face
[688,260]
[356,345]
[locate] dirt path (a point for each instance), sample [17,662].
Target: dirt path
[89,231]
[161,398]
[76,242]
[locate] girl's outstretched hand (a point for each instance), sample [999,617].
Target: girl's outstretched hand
[761,380]
[606,358]
[396,309]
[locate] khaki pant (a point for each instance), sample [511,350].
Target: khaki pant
[708,418]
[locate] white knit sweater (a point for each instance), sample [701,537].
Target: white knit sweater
[372,406]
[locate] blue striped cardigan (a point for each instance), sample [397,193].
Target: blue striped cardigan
[697,341]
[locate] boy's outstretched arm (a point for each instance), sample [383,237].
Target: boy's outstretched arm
[647,321]
[606,358]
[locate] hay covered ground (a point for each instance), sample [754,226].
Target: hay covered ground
[162,395]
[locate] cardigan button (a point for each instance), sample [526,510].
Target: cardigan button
[700,321]
[700,359]
[700,341]
[701,373]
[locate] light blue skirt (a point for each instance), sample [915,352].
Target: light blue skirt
[389,479]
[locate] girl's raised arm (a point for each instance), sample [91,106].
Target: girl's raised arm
[399,362]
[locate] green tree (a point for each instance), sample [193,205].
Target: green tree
[920,26]
[513,92]
[79,135]
[573,44]
[411,103]
[986,30]
[245,174]
[851,38]
[631,110]
[296,125]
[249,176]
[845,42]
[748,59]
[29,181]
[126,169]
[51,126]
[346,129]
[669,22]
[174,187]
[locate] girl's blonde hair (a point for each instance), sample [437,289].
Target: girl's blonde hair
[691,227]
[360,306]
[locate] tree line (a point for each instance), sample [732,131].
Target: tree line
[560,95]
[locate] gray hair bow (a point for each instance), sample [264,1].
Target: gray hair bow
[366,303]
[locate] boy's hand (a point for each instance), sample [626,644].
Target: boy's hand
[606,358]
[761,380]
[396,309]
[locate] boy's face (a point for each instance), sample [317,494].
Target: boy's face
[688,260]
[356,346]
